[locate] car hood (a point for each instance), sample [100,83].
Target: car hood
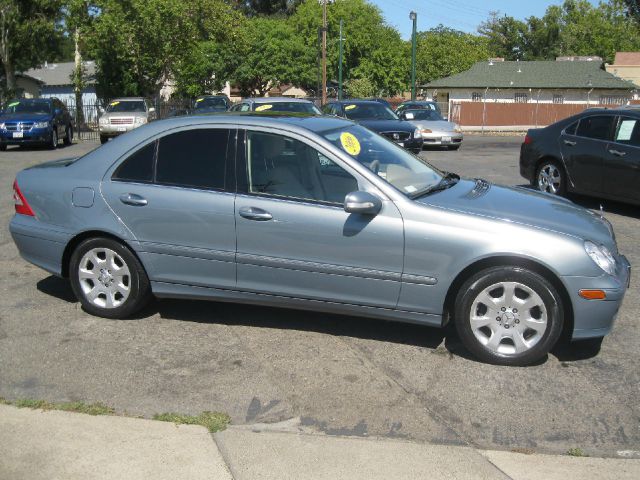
[25,117]
[523,206]
[387,125]
[438,125]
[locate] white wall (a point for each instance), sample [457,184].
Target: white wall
[534,95]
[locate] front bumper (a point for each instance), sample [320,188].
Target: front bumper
[29,137]
[595,318]
[115,130]
[442,138]
[413,144]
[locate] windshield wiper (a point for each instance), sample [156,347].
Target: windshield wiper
[448,180]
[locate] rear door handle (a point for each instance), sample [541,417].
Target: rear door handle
[617,153]
[255,213]
[133,199]
[571,143]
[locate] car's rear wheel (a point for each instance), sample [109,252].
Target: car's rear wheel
[550,178]
[53,140]
[108,279]
[3,147]
[68,135]
[103,139]
[508,315]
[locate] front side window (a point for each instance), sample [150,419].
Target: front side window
[405,172]
[193,158]
[628,132]
[286,167]
[597,127]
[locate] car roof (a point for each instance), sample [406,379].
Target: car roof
[277,100]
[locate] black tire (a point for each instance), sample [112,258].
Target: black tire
[473,289]
[53,141]
[550,166]
[103,139]
[453,147]
[138,282]
[68,135]
[3,147]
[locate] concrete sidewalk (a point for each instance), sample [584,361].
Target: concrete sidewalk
[37,444]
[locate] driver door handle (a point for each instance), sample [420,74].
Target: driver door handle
[255,213]
[571,143]
[133,199]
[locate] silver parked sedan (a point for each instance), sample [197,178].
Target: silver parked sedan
[318,213]
[436,131]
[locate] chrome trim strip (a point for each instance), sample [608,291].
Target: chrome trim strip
[316,267]
[418,279]
[182,251]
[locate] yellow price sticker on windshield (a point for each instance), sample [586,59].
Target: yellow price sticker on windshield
[350,143]
[114,104]
[262,108]
[199,100]
[13,104]
[350,107]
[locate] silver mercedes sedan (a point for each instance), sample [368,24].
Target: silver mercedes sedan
[322,214]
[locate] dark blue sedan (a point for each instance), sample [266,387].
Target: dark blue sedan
[39,121]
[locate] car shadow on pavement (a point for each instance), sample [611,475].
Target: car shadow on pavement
[57,287]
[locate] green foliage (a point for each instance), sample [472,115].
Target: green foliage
[78,407]
[443,51]
[360,88]
[576,452]
[213,421]
[575,28]
[267,7]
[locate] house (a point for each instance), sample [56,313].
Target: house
[508,93]
[626,65]
[57,82]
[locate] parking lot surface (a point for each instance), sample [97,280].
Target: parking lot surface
[341,375]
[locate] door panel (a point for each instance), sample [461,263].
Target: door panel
[186,234]
[300,241]
[622,161]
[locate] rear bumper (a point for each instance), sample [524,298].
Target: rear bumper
[527,163]
[37,244]
[595,318]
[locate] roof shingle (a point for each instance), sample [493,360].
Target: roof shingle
[55,74]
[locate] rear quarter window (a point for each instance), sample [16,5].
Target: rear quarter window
[138,167]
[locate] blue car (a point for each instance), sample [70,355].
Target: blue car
[37,121]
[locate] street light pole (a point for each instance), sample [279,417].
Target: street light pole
[414,17]
[340,65]
[324,52]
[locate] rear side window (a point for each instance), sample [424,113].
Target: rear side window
[596,127]
[571,129]
[138,167]
[193,158]
[628,132]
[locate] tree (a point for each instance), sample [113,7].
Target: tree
[253,8]
[28,34]
[360,88]
[443,51]
[633,8]
[273,54]
[505,35]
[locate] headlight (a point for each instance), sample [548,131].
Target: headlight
[140,120]
[2,126]
[41,125]
[426,130]
[457,128]
[104,121]
[601,257]
[417,133]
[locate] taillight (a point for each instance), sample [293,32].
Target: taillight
[22,207]
[527,140]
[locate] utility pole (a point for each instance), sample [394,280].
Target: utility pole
[324,52]
[340,65]
[414,17]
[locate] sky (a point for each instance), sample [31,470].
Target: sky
[463,15]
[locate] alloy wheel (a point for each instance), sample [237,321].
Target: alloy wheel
[550,179]
[508,318]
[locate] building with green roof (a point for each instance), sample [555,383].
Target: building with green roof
[560,82]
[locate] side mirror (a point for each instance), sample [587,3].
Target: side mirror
[363,203]
[408,116]
[151,109]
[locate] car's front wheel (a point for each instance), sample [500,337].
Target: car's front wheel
[103,139]
[68,135]
[550,178]
[53,141]
[108,279]
[508,315]
[3,147]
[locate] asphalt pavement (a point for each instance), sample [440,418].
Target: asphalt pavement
[339,375]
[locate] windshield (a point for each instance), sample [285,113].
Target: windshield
[371,111]
[211,102]
[28,106]
[424,114]
[297,107]
[407,173]
[126,106]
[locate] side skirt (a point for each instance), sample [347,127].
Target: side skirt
[173,290]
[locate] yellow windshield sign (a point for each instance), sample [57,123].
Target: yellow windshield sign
[262,108]
[350,143]
[199,100]
[114,104]
[13,104]
[350,107]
